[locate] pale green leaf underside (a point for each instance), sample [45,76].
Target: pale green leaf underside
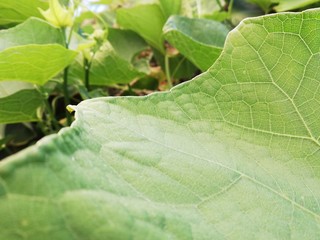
[34,63]
[199,40]
[17,11]
[233,154]
[21,106]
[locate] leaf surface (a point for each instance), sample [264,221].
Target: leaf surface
[108,67]
[32,31]
[20,106]
[18,11]
[199,40]
[232,154]
[19,102]
[147,20]
[169,7]
[285,5]
[34,63]
[126,43]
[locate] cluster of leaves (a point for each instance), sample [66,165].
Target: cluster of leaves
[232,154]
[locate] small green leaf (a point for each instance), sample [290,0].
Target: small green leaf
[107,68]
[34,63]
[21,106]
[126,43]
[17,11]
[199,40]
[25,33]
[146,20]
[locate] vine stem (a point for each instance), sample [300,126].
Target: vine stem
[87,74]
[51,115]
[66,94]
[65,77]
[48,107]
[167,70]
[219,4]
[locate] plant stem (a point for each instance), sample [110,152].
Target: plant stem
[167,70]
[66,94]
[87,66]
[65,78]
[219,4]
[52,119]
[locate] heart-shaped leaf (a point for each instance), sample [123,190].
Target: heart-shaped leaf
[232,154]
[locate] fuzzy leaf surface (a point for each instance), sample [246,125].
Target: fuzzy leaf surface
[232,154]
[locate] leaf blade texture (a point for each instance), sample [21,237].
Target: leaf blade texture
[34,63]
[232,154]
[15,12]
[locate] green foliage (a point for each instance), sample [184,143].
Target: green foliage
[17,11]
[34,63]
[200,40]
[19,102]
[24,34]
[232,154]
[146,20]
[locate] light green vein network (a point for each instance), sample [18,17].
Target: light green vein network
[232,154]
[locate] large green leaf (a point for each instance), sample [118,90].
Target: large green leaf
[233,154]
[16,11]
[34,63]
[147,20]
[199,40]
[32,31]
